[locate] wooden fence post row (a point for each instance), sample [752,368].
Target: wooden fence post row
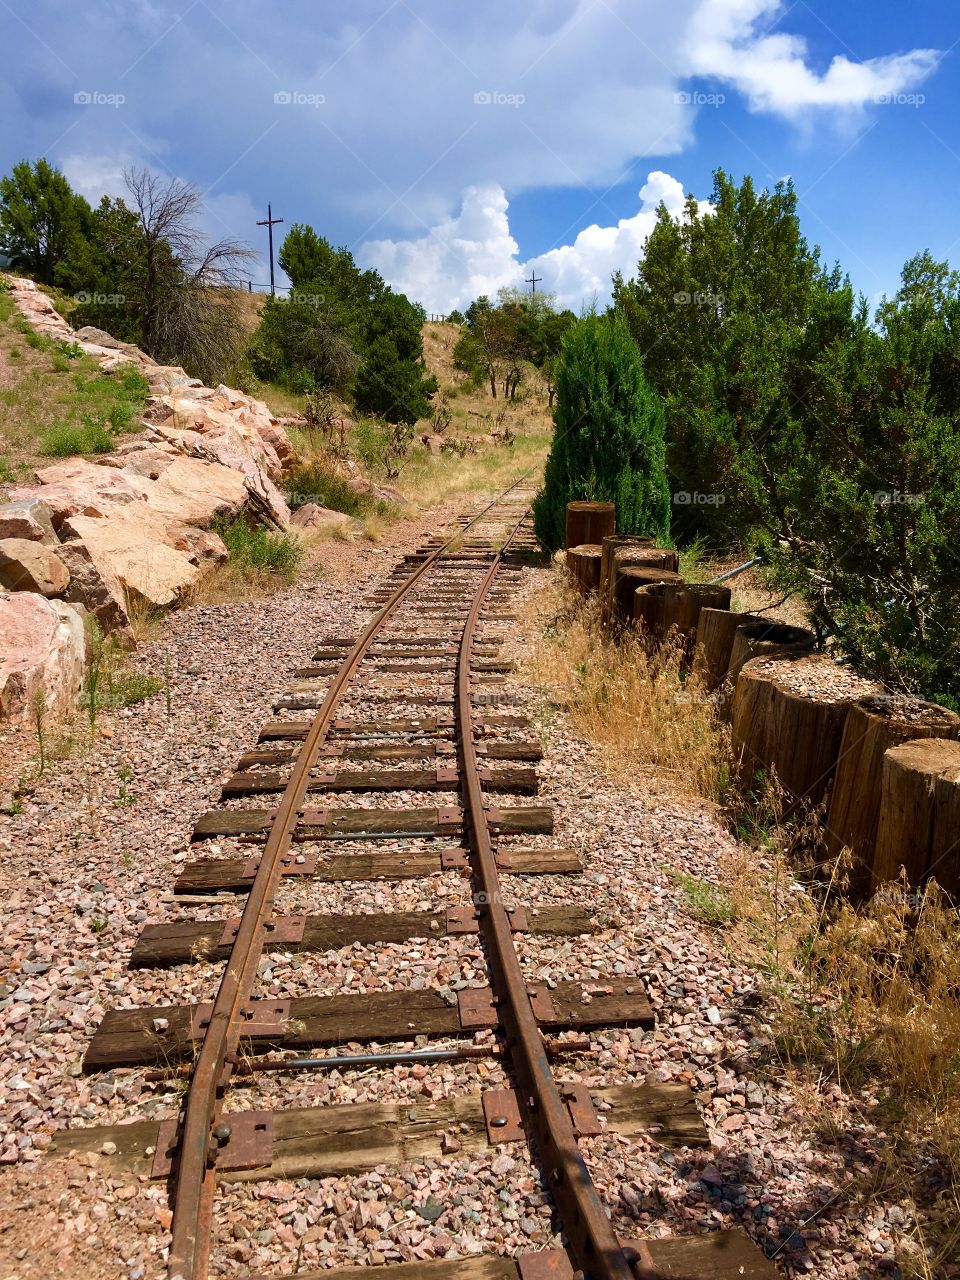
[885,768]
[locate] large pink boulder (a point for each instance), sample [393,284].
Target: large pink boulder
[42,651]
[95,586]
[31,566]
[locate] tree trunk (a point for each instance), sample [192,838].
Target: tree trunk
[589,522]
[636,556]
[777,729]
[610,544]
[873,726]
[714,644]
[919,817]
[583,564]
[682,603]
[627,579]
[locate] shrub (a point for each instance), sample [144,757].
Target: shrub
[258,549]
[608,444]
[316,481]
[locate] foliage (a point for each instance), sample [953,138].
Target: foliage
[500,341]
[733,315]
[39,215]
[609,439]
[873,510]
[66,439]
[340,329]
[317,480]
[256,548]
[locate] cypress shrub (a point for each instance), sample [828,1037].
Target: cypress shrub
[608,443]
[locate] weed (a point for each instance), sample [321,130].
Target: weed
[167,686]
[707,902]
[98,924]
[637,707]
[39,714]
[258,549]
[6,471]
[317,481]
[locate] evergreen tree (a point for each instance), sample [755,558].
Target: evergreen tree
[608,444]
[391,387]
[39,216]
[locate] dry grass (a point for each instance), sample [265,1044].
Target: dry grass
[652,723]
[863,1006]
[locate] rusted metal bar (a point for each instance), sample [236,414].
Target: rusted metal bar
[196,1173]
[591,1241]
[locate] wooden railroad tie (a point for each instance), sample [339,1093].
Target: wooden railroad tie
[235,875]
[187,941]
[168,1033]
[359,824]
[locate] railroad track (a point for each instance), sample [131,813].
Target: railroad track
[412,707]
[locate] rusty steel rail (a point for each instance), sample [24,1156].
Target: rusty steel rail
[196,1170]
[591,1242]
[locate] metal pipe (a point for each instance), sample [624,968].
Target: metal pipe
[732,573]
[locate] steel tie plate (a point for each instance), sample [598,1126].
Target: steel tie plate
[260,1019]
[279,931]
[501,1111]
[248,1146]
[477,1008]
[462,920]
[583,1114]
[293,864]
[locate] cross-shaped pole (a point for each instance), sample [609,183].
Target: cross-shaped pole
[533,280]
[270,222]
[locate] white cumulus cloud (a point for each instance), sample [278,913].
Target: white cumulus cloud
[773,71]
[474,252]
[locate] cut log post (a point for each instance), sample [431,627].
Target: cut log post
[716,629]
[589,522]
[608,546]
[919,822]
[766,639]
[682,603]
[788,718]
[625,586]
[633,556]
[873,726]
[583,564]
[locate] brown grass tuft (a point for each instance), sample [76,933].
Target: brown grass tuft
[651,722]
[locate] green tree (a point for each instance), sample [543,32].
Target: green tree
[608,443]
[733,312]
[100,270]
[391,387]
[39,216]
[873,510]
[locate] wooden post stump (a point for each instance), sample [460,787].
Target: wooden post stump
[625,585]
[716,629]
[788,717]
[607,547]
[682,604]
[873,726]
[583,564]
[766,639]
[632,555]
[589,522]
[919,822]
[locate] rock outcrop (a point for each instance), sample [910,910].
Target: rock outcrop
[42,649]
[27,565]
[133,525]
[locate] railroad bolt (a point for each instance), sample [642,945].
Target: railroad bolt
[498,1122]
[221,1134]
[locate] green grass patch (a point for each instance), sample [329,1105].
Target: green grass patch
[66,439]
[257,550]
[705,901]
[316,481]
[7,475]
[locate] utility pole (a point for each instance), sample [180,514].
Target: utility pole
[534,280]
[270,222]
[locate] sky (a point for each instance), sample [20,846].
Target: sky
[460,147]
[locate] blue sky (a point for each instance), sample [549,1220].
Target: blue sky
[455,146]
